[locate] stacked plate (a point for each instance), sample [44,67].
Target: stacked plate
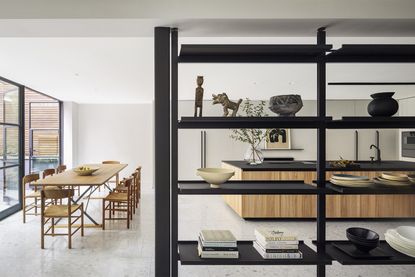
[411,178]
[392,179]
[352,181]
[402,239]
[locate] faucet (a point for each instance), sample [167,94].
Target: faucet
[378,159]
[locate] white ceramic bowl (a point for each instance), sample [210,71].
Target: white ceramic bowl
[215,176]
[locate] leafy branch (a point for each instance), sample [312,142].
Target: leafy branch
[252,136]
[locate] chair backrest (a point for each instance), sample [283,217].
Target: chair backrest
[48,172]
[111,162]
[30,178]
[57,193]
[136,175]
[61,168]
[128,182]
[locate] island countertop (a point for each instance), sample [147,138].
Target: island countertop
[298,165]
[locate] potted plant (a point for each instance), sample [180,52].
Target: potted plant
[253,137]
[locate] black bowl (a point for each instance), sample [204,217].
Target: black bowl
[364,239]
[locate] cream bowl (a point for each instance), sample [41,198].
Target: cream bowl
[85,172]
[215,176]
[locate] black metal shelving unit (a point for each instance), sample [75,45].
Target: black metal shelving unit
[249,187]
[169,250]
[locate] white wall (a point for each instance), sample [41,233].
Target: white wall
[70,133]
[122,132]
[339,142]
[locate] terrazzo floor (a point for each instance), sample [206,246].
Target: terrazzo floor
[121,252]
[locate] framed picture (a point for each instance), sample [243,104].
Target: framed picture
[278,138]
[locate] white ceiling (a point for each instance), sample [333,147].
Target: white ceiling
[86,70]
[121,70]
[101,51]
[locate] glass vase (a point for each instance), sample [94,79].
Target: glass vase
[254,155]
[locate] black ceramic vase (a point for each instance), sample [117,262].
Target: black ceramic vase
[383,104]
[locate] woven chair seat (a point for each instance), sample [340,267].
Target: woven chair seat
[60,210]
[117,196]
[34,194]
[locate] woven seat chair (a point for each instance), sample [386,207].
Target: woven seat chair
[72,212]
[34,196]
[120,202]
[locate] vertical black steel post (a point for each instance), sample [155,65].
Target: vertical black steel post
[21,141]
[162,150]
[174,153]
[321,152]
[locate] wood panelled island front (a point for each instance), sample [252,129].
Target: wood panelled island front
[304,206]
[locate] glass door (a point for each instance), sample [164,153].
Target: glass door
[11,138]
[43,149]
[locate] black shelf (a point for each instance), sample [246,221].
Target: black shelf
[249,187]
[248,256]
[371,83]
[220,122]
[251,53]
[166,95]
[371,190]
[379,53]
[344,259]
[372,122]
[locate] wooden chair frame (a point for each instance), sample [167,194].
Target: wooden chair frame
[28,179]
[48,172]
[117,176]
[124,203]
[61,168]
[72,219]
[138,186]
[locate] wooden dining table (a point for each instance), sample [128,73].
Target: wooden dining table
[91,183]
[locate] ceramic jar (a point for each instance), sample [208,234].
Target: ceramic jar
[383,104]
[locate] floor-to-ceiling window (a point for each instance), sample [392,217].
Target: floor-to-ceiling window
[30,139]
[11,163]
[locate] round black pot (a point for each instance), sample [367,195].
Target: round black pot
[383,104]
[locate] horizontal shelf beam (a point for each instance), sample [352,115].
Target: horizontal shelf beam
[249,187]
[248,256]
[251,53]
[372,122]
[297,122]
[371,190]
[250,122]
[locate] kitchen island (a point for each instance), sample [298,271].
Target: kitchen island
[304,206]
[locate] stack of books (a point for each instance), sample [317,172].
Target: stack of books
[217,244]
[276,244]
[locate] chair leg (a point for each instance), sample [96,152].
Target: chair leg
[128,218]
[82,219]
[42,233]
[35,205]
[69,233]
[131,207]
[53,226]
[24,209]
[103,214]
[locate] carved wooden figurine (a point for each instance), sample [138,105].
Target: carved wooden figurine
[199,96]
[227,104]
